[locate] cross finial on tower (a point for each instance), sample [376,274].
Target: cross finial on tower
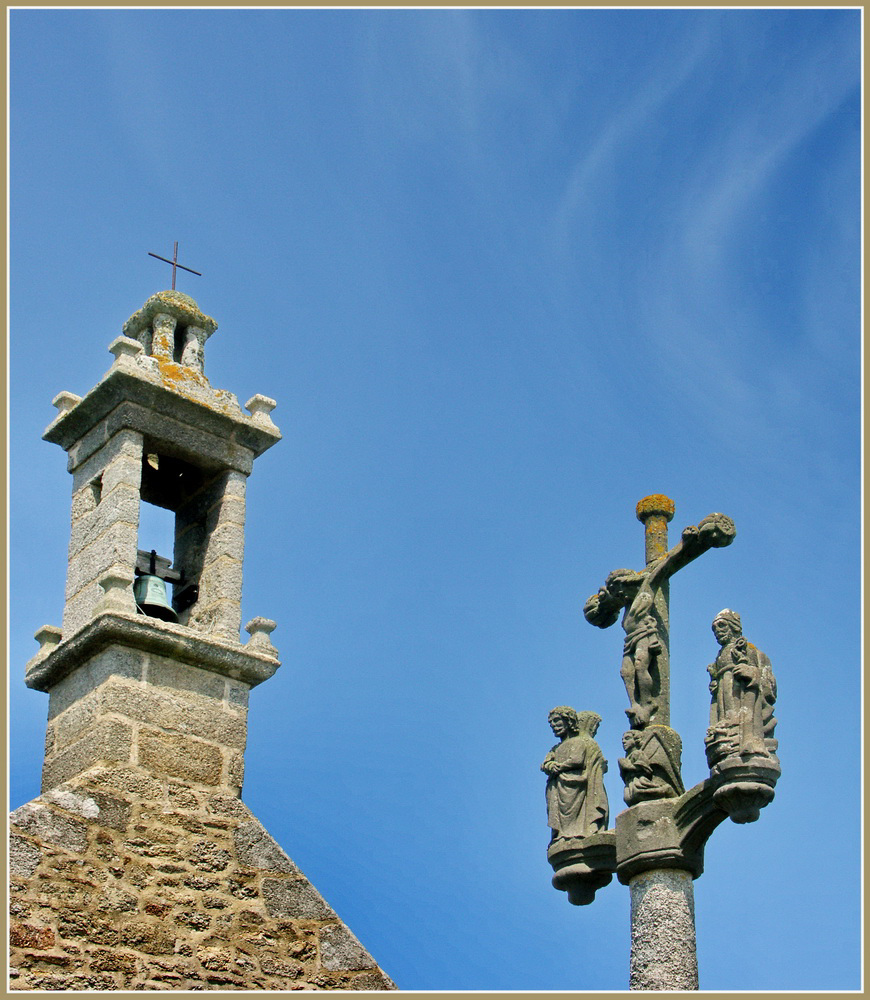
[174,263]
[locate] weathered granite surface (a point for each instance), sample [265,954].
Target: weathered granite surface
[643,595]
[663,931]
[139,867]
[576,797]
[123,879]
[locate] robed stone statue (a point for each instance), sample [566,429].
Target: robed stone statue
[743,691]
[575,767]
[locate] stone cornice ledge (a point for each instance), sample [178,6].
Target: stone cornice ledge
[152,636]
[127,383]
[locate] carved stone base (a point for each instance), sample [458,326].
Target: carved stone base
[649,836]
[583,865]
[744,784]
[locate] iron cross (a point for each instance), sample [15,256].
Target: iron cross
[174,263]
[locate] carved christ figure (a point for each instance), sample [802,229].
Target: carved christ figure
[576,798]
[636,592]
[640,650]
[743,690]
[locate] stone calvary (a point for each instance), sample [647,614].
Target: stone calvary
[657,844]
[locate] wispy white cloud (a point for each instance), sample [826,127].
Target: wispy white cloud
[581,196]
[445,78]
[761,137]
[698,302]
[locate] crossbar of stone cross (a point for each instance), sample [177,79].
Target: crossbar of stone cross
[174,263]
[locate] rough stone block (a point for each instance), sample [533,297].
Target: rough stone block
[29,936]
[67,727]
[101,449]
[84,500]
[373,981]
[190,715]
[105,960]
[208,856]
[123,471]
[257,849]
[227,540]
[121,505]
[340,950]
[49,826]
[73,801]
[228,805]
[79,609]
[180,757]
[116,660]
[226,510]
[173,676]
[24,857]
[116,545]
[107,741]
[295,898]
[221,579]
[90,442]
[219,618]
[107,810]
[235,776]
[237,693]
[152,939]
[235,485]
[125,779]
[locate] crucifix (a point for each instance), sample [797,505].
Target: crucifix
[645,597]
[174,263]
[657,845]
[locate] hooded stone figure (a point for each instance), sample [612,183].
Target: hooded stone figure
[575,767]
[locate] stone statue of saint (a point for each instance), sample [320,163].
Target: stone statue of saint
[575,767]
[743,691]
[651,766]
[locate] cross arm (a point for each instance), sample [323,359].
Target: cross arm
[713,532]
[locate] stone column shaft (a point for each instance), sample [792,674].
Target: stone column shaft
[163,337]
[105,523]
[654,512]
[663,950]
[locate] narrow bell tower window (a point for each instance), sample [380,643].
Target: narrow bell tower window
[178,343]
[96,488]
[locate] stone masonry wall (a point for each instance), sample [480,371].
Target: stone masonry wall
[129,706]
[121,880]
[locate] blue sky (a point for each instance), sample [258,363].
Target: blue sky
[505,272]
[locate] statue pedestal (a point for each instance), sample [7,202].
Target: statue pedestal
[744,784]
[583,865]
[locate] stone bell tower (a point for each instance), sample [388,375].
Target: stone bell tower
[139,867]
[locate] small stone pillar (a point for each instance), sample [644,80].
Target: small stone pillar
[163,336]
[663,953]
[193,351]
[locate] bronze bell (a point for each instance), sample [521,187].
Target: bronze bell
[149,592]
[151,599]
